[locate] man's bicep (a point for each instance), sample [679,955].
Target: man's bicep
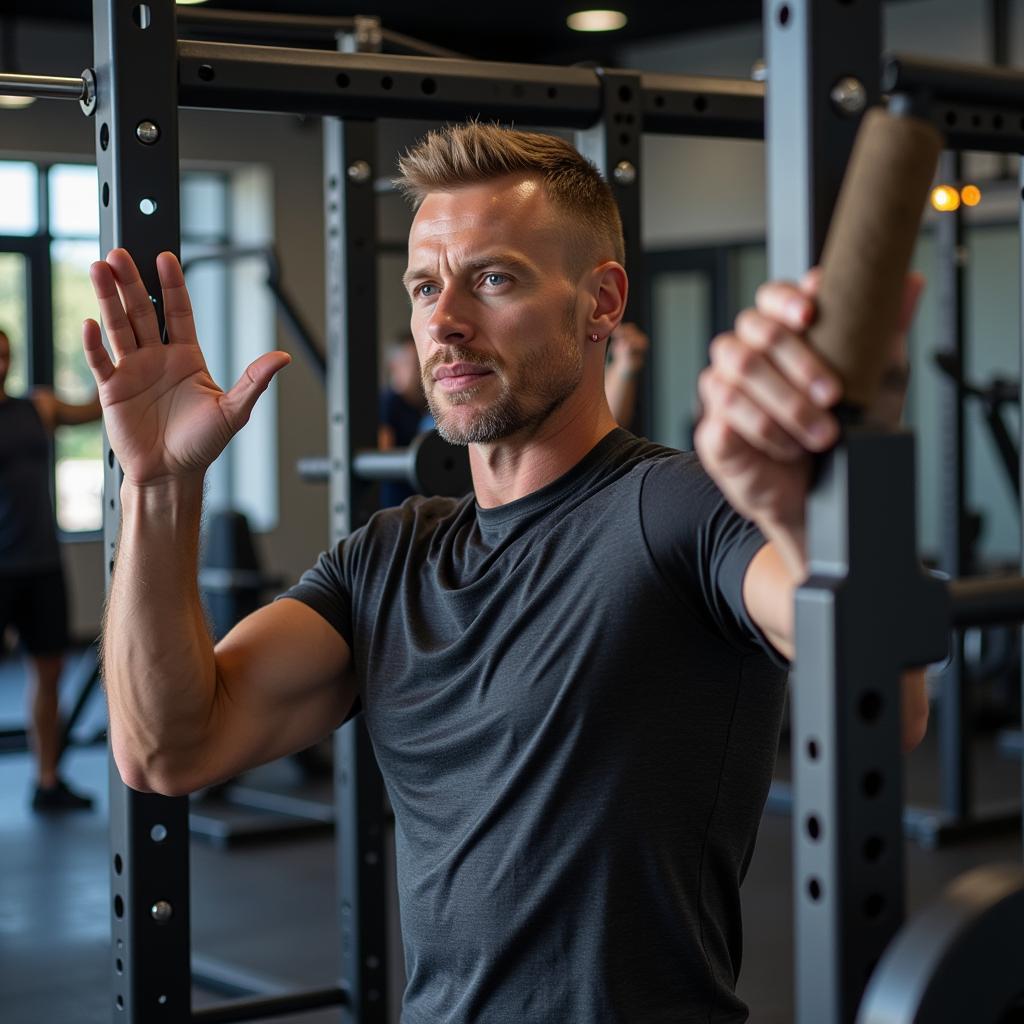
[285,681]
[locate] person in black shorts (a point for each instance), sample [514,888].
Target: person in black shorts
[572,678]
[32,594]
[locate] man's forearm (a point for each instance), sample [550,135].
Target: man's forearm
[158,657]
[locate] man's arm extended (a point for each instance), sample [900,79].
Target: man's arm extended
[766,398]
[183,714]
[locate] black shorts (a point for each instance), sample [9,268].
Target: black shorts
[35,604]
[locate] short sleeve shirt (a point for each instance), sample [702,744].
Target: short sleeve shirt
[576,720]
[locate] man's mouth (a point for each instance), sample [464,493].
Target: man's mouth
[459,376]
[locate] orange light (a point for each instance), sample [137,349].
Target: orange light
[971,195]
[945,198]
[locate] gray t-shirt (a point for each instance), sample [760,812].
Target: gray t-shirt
[576,722]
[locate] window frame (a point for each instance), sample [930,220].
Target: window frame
[37,248]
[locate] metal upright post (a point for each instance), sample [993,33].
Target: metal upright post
[350,156]
[137,158]
[613,144]
[847,830]
[955,556]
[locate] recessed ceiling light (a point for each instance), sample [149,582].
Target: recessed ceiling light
[596,21]
[185,3]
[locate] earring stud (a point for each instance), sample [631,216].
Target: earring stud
[594,337]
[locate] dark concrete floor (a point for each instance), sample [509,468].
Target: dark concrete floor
[270,908]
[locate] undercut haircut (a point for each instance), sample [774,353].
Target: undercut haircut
[469,153]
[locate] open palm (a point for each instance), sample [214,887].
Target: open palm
[165,416]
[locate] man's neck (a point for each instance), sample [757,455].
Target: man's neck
[517,466]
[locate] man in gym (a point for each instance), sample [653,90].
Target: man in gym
[573,681]
[32,593]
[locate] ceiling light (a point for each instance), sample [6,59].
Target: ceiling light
[945,198]
[596,21]
[16,102]
[185,3]
[971,195]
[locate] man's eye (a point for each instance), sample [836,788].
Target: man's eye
[495,279]
[424,290]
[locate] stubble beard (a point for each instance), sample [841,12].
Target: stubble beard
[545,381]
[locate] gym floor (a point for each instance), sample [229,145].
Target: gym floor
[268,908]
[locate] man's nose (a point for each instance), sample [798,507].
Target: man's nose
[450,323]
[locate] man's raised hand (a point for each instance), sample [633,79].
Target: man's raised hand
[165,416]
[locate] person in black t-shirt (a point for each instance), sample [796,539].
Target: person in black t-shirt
[573,677]
[32,593]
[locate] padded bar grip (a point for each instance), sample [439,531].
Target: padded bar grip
[869,246]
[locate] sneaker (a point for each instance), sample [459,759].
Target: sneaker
[59,798]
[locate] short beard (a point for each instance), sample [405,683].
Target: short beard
[545,381]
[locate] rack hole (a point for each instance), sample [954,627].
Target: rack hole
[873,849]
[813,750]
[142,15]
[206,73]
[161,1000]
[700,104]
[552,92]
[118,864]
[110,457]
[387,82]
[784,15]
[814,826]
[870,705]
[625,138]
[625,93]
[874,904]
[158,833]
[104,135]
[343,80]
[429,86]
[119,966]
[111,566]
[659,100]
[997,122]
[871,784]
[118,907]
[951,117]
[147,206]
[975,120]
[814,889]
[119,1002]
[106,194]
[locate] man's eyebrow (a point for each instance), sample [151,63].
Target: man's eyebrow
[478,263]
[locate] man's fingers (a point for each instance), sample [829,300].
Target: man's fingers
[790,406]
[178,316]
[119,330]
[237,403]
[791,354]
[96,355]
[136,298]
[786,303]
[730,405]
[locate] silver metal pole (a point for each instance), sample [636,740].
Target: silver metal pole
[43,86]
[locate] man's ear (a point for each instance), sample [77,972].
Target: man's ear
[608,286]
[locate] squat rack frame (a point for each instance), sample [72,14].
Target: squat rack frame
[848,903]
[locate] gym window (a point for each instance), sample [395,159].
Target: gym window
[49,235]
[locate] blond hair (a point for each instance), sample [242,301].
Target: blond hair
[469,153]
